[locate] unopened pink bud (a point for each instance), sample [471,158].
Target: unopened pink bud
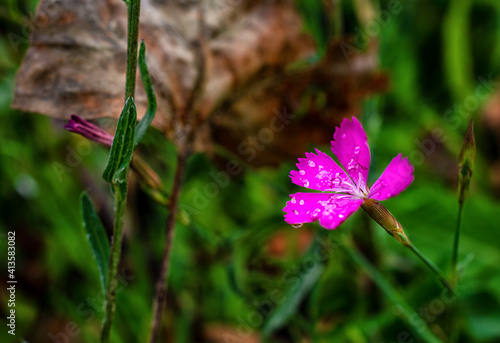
[88,130]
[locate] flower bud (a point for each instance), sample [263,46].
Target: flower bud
[466,162]
[385,219]
[88,130]
[93,132]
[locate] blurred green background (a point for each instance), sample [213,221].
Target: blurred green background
[237,268]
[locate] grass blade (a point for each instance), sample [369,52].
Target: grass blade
[306,279]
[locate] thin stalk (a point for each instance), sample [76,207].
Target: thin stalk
[455,314]
[161,284]
[456,241]
[120,191]
[116,247]
[405,309]
[186,124]
[134,9]
[388,222]
[431,266]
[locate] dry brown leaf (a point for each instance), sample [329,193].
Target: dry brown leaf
[343,86]
[77,58]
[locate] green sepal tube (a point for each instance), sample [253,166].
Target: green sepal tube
[123,145]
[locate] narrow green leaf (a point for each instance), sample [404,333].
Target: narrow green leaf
[96,236]
[123,145]
[303,283]
[148,86]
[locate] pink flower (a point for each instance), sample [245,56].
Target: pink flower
[88,130]
[343,190]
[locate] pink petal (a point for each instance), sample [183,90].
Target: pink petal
[396,177]
[320,172]
[350,145]
[330,209]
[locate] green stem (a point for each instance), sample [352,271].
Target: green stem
[431,266]
[406,311]
[456,241]
[120,190]
[455,314]
[116,247]
[134,8]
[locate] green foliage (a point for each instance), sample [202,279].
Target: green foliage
[96,236]
[223,261]
[301,286]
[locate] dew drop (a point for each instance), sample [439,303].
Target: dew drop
[295,212]
[336,181]
[301,202]
[322,174]
[293,201]
[341,216]
[296,226]
[302,172]
[352,165]
[357,149]
[306,183]
[320,167]
[315,213]
[311,164]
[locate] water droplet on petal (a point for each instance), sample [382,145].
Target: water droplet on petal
[293,201]
[296,226]
[301,202]
[352,165]
[311,164]
[337,180]
[341,216]
[320,167]
[357,149]
[315,213]
[295,212]
[302,172]
[322,174]
[306,183]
